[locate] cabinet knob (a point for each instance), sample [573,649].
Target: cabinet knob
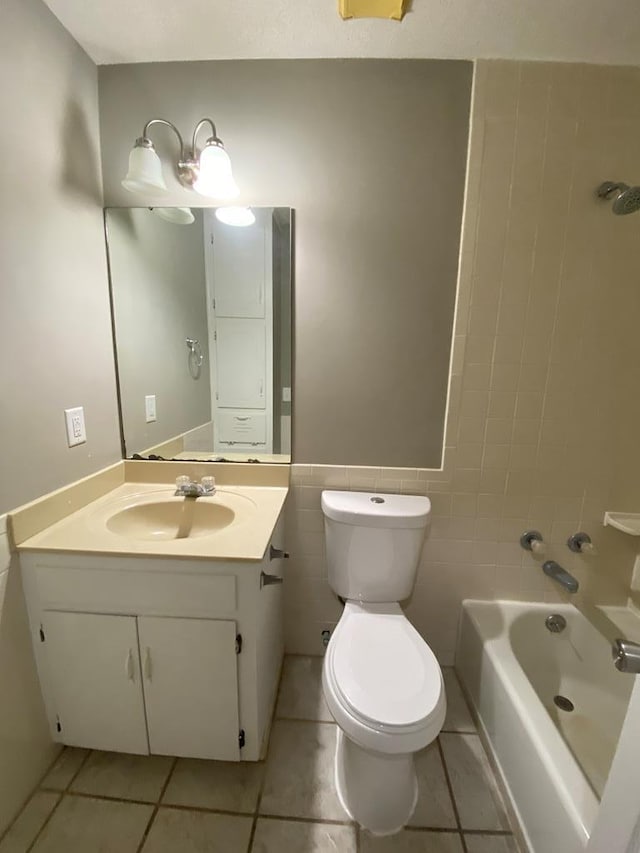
[128,666]
[148,666]
[269,580]
[277,553]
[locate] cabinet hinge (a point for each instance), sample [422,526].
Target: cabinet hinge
[214,304]
[58,724]
[215,335]
[241,738]
[42,637]
[238,643]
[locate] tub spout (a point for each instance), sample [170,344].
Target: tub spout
[557,573]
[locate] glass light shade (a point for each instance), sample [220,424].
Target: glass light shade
[175,215]
[215,178]
[145,172]
[238,216]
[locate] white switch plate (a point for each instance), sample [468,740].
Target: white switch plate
[76,432]
[286,395]
[150,408]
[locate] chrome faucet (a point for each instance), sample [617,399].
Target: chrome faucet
[188,488]
[557,573]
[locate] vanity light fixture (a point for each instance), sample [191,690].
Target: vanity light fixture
[207,171]
[175,215]
[239,216]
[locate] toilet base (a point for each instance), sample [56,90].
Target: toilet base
[378,791]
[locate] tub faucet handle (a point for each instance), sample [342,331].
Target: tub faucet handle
[531,540]
[580,543]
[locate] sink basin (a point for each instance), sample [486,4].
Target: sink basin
[160,516]
[162,520]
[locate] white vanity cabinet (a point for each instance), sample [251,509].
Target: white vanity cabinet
[144,684]
[157,655]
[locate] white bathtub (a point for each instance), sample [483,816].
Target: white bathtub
[554,763]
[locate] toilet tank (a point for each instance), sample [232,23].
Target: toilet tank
[373,543]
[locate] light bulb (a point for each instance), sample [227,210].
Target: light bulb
[238,216]
[215,178]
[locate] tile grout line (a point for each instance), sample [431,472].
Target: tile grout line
[62,793]
[456,813]
[306,720]
[85,795]
[295,819]
[156,807]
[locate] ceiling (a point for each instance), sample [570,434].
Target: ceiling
[115,31]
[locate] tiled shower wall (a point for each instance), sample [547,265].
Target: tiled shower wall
[543,398]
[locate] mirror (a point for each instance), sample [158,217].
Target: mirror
[202,331]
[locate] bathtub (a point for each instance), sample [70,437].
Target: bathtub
[554,763]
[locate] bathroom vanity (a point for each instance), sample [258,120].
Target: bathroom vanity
[151,644]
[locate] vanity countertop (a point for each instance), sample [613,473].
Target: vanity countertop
[236,523]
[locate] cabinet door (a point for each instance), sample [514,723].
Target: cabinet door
[190,686]
[240,364]
[94,673]
[240,268]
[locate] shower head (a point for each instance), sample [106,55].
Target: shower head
[626,199]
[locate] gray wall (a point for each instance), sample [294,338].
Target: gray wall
[54,326]
[54,309]
[371,154]
[159,298]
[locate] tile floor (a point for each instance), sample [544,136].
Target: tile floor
[96,802]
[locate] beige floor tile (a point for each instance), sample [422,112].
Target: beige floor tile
[65,768]
[477,797]
[176,830]
[299,779]
[84,825]
[287,836]
[29,823]
[434,808]
[301,690]
[127,777]
[490,844]
[458,717]
[223,785]
[412,841]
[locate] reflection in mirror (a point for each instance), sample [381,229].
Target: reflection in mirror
[202,331]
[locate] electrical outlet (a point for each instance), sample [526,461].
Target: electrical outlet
[150,408]
[76,432]
[286,395]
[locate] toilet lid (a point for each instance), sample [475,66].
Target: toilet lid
[385,671]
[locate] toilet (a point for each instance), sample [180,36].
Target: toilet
[381,681]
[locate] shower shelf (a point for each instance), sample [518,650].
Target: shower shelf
[628,522]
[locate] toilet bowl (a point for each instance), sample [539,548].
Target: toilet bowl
[383,686]
[381,681]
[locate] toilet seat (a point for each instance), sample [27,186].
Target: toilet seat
[383,681]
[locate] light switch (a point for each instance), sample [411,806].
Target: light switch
[76,433]
[286,395]
[150,408]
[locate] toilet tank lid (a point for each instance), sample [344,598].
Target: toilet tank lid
[368,509]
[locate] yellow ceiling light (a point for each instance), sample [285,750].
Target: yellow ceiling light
[394,9]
